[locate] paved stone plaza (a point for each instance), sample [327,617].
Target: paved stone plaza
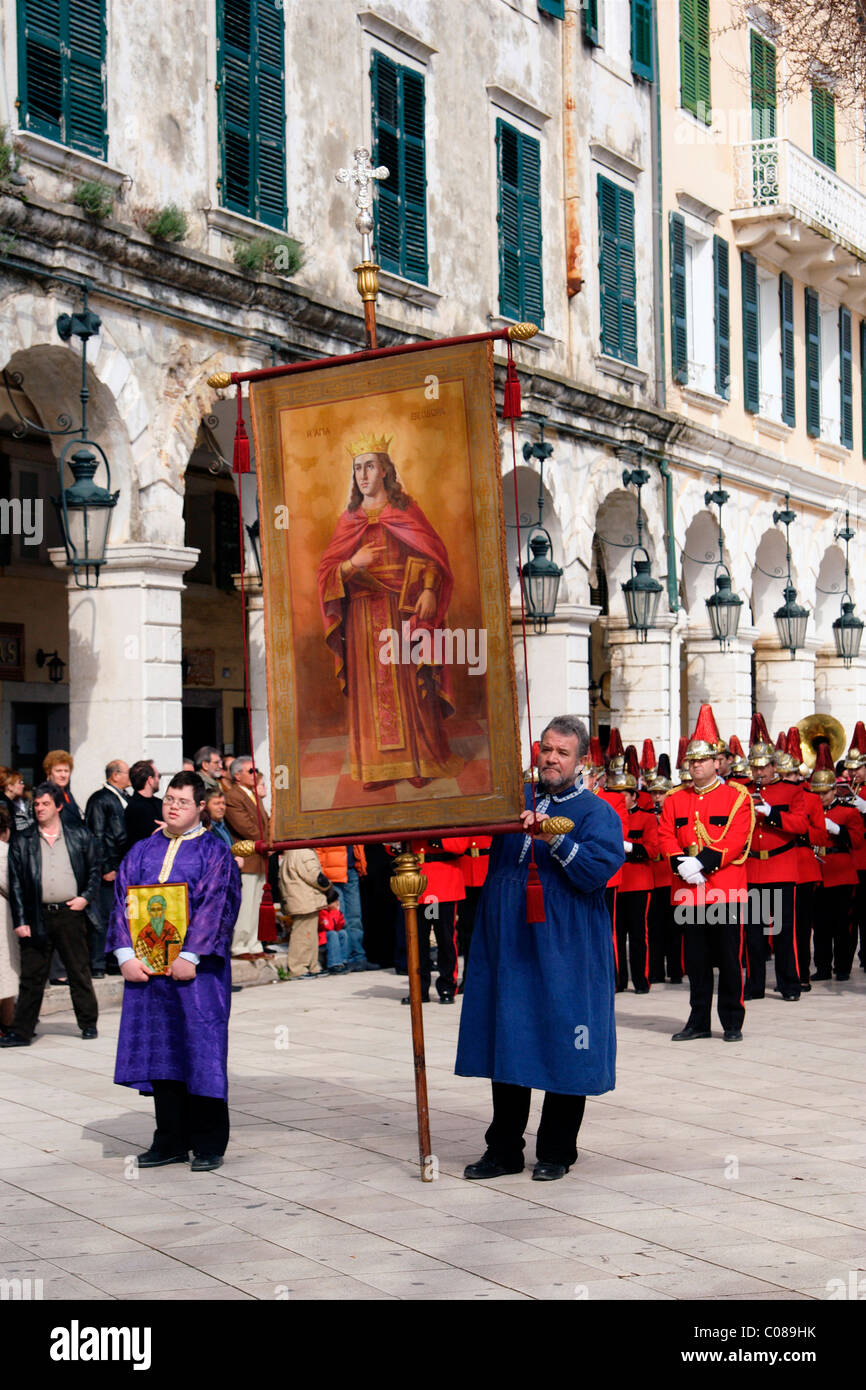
[714,1171]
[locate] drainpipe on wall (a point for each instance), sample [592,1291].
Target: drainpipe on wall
[658,223]
[670,543]
[571,46]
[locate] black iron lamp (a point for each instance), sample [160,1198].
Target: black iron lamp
[792,617]
[55,663]
[642,590]
[724,607]
[540,575]
[848,628]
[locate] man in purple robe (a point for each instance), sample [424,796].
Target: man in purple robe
[173,1039]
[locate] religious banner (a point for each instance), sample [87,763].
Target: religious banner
[158,916]
[391,695]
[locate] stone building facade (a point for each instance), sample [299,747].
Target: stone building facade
[562,109]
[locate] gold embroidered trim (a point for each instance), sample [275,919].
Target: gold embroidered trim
[175,842]
[705,839]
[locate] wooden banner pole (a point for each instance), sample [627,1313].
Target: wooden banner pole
[407,884]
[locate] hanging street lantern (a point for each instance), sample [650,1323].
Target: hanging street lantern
[540,578]
[84,511]
[642,590]
[848,628]
[540,575]
[792,617]
[724,607]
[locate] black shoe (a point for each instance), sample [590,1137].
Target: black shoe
[641,990]
[822,977]
[446,998]
[676,979]
[97,974]
[733,1035]
[89,1033]
[843,977]
[425,999]
[205,1163]
[155,1158]
[790,998]
[748,996]
[461,986]
[488,1167]
[13,1039]
[688,1033]
[548,1172]
[805,986]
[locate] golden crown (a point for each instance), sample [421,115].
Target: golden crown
[369,444]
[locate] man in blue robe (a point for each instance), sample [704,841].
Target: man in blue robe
[538,1004]
[173,1039]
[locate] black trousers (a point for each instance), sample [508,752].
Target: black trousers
[804,906]
[556,1141]
[96,934]
[466,923]
[702,946]
[834,930]
[185,1121]
[772,916]
[446,948]
[65,931]
[860,915]
[632,939]
[665,939]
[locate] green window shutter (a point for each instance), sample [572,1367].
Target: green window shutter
[763,88]
[61,65]
[252,109]
[786,323]
[590,21]
[751,339]
[679,330]
[399,144]
[813,366]
[556,8]
[863,386]
[722,316]
[695,58]
[845,379]
[824,126]
[616,270]
[520,281]
[642,64]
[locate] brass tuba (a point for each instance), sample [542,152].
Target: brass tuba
[818,726]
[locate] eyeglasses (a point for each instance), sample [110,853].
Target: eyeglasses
[177,801]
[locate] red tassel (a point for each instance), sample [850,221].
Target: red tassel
[511,408]
[534,896]
[241,460]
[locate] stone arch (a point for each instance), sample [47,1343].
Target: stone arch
[616,529]
[769,570]
[829,588]
[700,555]
[527,498]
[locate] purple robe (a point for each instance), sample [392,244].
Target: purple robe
[173,1030]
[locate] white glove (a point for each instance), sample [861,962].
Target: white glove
[763,808]
[627,846]
[690,870]
[860,803]
[832,826]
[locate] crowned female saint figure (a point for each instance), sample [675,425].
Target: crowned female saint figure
[384,576]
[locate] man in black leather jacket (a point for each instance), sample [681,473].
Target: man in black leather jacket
[53,881]
[104,817]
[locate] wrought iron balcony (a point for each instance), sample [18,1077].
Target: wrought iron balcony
[802,215]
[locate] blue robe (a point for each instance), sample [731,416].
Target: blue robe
[177,1030]
[538,1001]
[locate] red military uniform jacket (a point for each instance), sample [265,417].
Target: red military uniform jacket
[860,855]
[662,876]
[774,854]
[840,866]
[617,801]
[808,862]
[643,835]
[440,863]
[715,826]
[475,861]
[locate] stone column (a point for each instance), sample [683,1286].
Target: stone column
[722,679]
[645,681]
[125,684]
[558,668]
[838,691]
[784,688]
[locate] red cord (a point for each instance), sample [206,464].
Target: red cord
[522,610]
[243,567]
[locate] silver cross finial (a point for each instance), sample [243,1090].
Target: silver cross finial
[360,178]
